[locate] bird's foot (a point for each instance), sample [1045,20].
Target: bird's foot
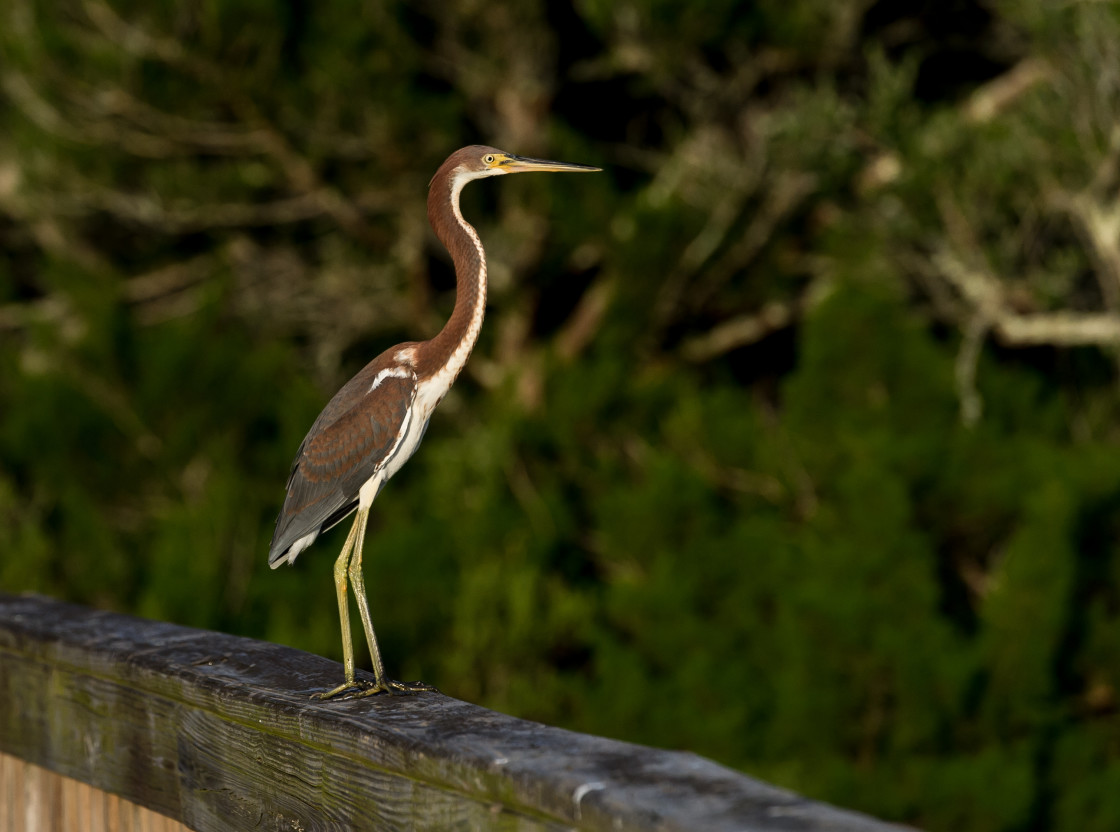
[394,688]
[335,693]
[354,689]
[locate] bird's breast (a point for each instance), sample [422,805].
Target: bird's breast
[429,393]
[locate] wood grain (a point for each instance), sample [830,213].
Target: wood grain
[218,732]
[33,799]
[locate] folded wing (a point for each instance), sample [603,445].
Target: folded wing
[350,442]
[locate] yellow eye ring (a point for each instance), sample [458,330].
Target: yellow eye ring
[488,158]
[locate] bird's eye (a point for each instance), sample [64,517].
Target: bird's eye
[488,158]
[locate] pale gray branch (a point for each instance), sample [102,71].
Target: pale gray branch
[1099,224]
[1000,93]
[989,312]
[972,405]
[983,294]
[738,332]
[184,217]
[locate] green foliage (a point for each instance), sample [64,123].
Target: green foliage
[789,552]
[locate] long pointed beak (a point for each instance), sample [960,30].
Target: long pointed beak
[522,164]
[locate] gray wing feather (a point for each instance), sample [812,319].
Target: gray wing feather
[350,441]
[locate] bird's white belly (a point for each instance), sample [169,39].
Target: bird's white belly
[428,395]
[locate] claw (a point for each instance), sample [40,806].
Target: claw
[395,688]
[335,693]
[358,689]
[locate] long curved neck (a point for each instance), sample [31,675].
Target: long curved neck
[447,353]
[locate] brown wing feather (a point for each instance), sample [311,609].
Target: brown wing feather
[353,436]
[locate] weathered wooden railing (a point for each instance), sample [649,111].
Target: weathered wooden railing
[102,714]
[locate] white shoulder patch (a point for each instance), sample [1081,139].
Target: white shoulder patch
[391,372]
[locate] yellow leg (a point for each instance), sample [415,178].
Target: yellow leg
[357,581]
[349,567]
[381,683]
[344,615]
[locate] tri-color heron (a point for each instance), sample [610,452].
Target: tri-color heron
[376,421]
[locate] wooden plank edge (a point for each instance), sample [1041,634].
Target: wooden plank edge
[75,681]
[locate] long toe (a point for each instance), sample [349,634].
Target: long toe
[352,687]
[395,688]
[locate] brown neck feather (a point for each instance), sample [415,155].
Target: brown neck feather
[470,281]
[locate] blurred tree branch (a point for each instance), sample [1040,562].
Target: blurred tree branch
[1021,305]
[257,179]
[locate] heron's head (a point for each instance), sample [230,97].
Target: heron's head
[478,161]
